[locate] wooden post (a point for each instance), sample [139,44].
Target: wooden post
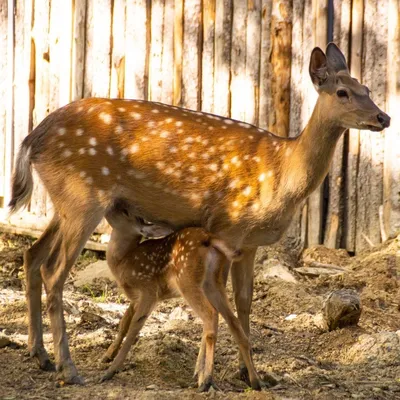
[78,50]
[118,50]
[23,72]
[42,89]
[315,201]
[178,45]
[391,182]
[136,48]
[350,225]
[167,68]
[281,59]
[223,35]
[6,97]
[207,86]
[191,64]
[98,49]
[240,87]
[265,52]
[253,47]
[334,218]
[370,172]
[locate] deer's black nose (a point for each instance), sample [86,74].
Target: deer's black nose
[383,119]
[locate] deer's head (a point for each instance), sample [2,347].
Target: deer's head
[342,98]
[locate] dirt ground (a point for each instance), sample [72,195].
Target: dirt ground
[360,362]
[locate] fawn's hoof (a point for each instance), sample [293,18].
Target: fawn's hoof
[244,375]
[107,376]
[268,380]
[257,384]
[207,384]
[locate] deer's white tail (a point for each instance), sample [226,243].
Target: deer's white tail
[22,180]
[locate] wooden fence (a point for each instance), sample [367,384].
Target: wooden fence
[247,59]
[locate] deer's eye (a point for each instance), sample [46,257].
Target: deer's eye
[342,94]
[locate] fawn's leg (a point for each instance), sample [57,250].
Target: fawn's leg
[33,259]
[74,230]
[195,297]
[242,273]
[122,330]
[214,288]
[144,306]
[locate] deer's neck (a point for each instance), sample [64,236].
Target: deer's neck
[311,154]
[119,245]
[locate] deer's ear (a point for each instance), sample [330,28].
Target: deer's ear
[336,59]
[318,67]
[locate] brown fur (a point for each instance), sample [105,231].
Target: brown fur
[178,167]
[154,270]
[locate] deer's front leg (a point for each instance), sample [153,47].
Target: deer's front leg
[242,273]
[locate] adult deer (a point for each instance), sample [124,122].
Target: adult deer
[179,167]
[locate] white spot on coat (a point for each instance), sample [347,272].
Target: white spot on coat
[93,141]
[105,171]
[79,132]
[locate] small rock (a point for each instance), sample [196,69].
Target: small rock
[151,387]
[4,341]
[381,348]
[342,308]
[179,313]
[291,317]
[274,268]
[97,270]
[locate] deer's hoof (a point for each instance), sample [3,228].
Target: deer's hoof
[207,384]
[256,385]
[47,365]
[107,376]
[244,375]
[68,374]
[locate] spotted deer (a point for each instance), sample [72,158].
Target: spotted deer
[159,269]
[177,167]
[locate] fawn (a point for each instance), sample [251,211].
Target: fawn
[179,167]
[191,263]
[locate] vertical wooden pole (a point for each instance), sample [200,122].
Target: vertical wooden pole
[167,74]
[371,156]
[350,224]
[137,48]
[240,87]
[315,201]
[281,59]
[207,86]
[191,54]
[7,26]
[253,48]
[118,50]
[334,218]
[178,44]
[223,38]
[391,188]
[78,49]
[265,51]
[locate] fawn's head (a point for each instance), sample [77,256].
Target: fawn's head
[122,217]
[343,98]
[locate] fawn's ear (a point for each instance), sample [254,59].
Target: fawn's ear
[155,231]
[336,59]
[318,67]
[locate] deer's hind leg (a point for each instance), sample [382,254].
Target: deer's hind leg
[33,259]
[75,227]
[195,297]
[122,331]
[214,287]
